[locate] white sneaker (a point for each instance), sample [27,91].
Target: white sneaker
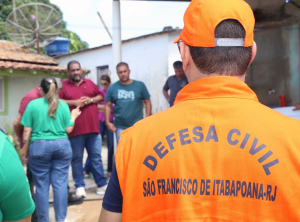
[80,192]
[101,190]
[66,220]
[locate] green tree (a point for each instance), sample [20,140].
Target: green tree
[6,6]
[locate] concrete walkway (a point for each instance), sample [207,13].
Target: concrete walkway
[89,210]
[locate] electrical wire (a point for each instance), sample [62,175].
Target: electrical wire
[114,28]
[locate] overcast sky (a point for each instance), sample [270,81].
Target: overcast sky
[137,18]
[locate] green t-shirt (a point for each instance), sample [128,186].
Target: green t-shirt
[43,126]
[15,199]
[128,100]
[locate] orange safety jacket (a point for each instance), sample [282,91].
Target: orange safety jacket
[216,155]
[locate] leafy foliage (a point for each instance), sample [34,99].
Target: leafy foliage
[6,6]
[76,43]
[10,133]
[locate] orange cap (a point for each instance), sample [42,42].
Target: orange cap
[202,17]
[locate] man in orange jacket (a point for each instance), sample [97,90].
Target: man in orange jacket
[217,154]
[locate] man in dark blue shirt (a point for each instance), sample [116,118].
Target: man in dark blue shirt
[175,83]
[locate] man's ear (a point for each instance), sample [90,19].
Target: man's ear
[254,51]
[185,55]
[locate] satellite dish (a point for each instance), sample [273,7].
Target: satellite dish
[34,25]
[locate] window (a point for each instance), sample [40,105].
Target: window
[2,95]
[100,71]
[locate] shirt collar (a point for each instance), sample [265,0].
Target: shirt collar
[216,87]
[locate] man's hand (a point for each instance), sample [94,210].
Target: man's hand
[78,103]
[111,127]
[297,107]
[86,100]
[166,95]
[25,159]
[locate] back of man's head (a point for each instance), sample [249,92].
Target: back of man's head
[228,60]
[219,34]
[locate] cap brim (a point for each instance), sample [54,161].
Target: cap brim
[177,39]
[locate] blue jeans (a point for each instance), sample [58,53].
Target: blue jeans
[49,162]
[110,146]
[93,143]
[118,134]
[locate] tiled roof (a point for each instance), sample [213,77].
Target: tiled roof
[22,65]
[13,52]
[15,57]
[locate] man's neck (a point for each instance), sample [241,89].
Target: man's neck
[199,75]
[77,83]
[127,82]
[179,77]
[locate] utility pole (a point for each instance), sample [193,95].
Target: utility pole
[117,44]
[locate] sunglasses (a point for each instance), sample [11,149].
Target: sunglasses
[178,45]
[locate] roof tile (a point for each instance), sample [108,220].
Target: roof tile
[12,51]
[22,65]
[31,66]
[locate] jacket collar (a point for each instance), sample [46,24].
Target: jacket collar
[216,87]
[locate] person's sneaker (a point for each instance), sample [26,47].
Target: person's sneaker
[66,220]
[101,190]
[74,200]
[80,192]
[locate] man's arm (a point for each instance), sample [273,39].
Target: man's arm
[166,95]
[297,106]
[107,112]
[87,100]
[113,200]
[18,128]
[74,103]
[107,216]
[148,106]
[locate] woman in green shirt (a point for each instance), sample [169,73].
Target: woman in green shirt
[16,203]
[49,120]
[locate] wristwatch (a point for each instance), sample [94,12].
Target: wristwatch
[92,99]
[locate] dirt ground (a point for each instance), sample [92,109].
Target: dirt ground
[87,211]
